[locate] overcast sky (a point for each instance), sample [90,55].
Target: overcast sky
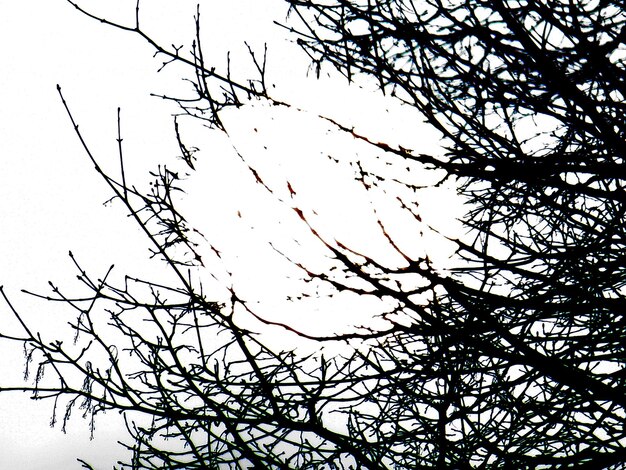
[51,199]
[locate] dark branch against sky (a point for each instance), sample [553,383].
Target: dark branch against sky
[509,355]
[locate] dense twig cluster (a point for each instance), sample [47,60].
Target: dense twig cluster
[514,360]
[530,97]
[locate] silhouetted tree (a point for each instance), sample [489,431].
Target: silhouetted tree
[515,359]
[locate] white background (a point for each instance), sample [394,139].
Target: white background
[51,199]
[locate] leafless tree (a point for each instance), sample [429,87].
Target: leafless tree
[514,359]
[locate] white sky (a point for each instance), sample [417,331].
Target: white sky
[51,199]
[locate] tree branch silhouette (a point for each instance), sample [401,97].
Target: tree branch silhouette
[514,358]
